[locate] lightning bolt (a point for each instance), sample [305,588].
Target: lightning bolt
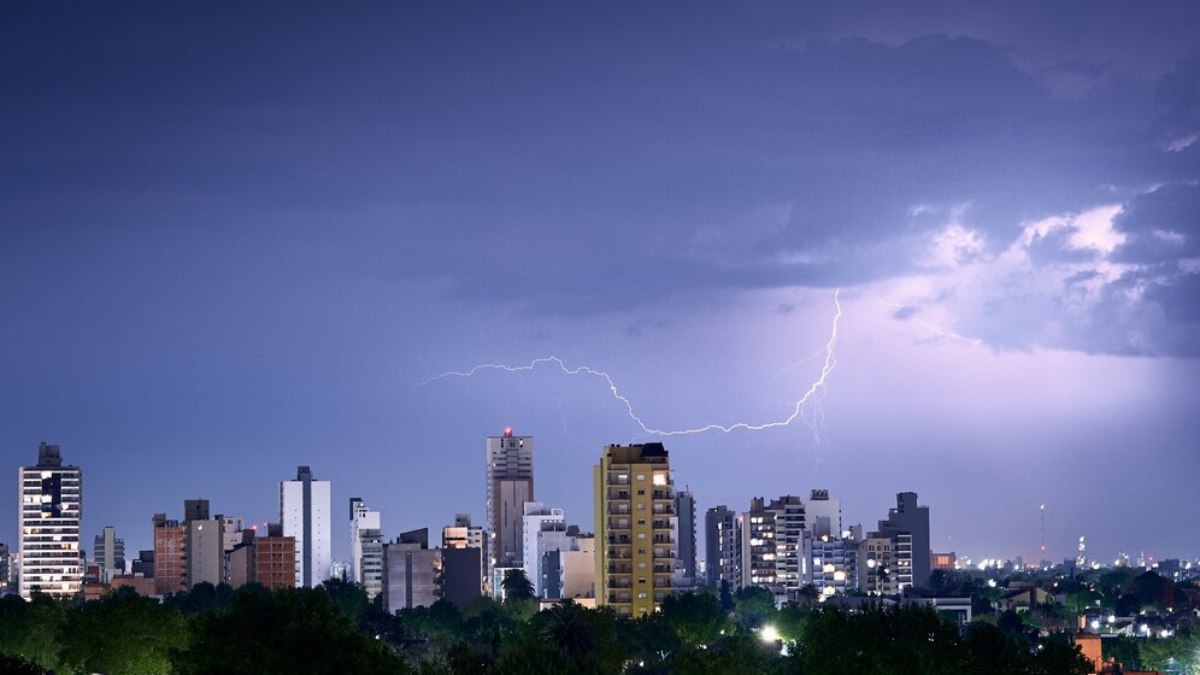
[817,387]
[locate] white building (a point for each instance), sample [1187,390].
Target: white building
[509,478]
[543,530]
[51,508]
[366,547]
[304,512]
[823,516]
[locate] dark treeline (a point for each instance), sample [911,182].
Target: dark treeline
[334,629]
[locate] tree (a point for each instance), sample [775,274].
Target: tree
[1057,655]
[29,630]
[696,617]
[286,631]
[122,632]
[726,597]
[15,665]
[517,586]
[754,604]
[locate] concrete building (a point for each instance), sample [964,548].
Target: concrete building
[570,572]
[685,564]
[411,572]
[462,575]
[876,566]
[462,534]
[143,565]
[635,528]
[822,515]
[542,530]
[366,547]
[776,546]
[509,479]
[109,552]
[834,565]
[204,552]
[263,556]
[910,519]
[50,508]
[5,568]
[304,513]
[722,548]
[170,557]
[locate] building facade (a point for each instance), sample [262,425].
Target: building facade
[109,552]
[509,478]
[51,509]
[722,548]
[635,528]
[685,565]
[366,547]
[542,530]
[412,572]
[908,527]
[304,513]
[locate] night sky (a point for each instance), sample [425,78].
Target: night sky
[238,237]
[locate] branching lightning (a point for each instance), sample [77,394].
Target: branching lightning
[817,387]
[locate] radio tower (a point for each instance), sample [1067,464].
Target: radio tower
[1043,514]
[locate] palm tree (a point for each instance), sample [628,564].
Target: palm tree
[566,627]
[517,586]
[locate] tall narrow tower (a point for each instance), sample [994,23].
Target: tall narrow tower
[636,526]
[304,513]
[51,508]
[509,486]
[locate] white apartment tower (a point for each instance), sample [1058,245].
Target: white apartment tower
[543,530]
[509,486]
[366,547]
[304,512]
[51,508]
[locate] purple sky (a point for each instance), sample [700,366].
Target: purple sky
[236,239]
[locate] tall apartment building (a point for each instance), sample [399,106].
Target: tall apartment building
[722,548]
[635,527]
[304,513]
[170,556]
[876,566]
[411,572]
[509,486]
[543,530]
[109,552]
[51,508]
[463,535]
[913,552]
[366,547]
[5,567]
[265,557]
[822,515]
[776,546]
[685,564]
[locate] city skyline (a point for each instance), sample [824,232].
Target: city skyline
[229,248]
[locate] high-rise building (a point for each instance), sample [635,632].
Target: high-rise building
[635,526]
[51,508]
[366,533]
[776,546]
[462,575]
[685,565]
[411,572]
[304,513]
[265,557]
[170,557]
[876,566]
[5,568]
[109,552]
[509,486]
[912,520]
[204,551]
[823,516]
[722,548]
[834,565]
[463,535]
[543,530]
